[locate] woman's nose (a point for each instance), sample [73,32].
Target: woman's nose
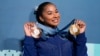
[55,15]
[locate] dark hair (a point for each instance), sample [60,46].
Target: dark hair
[40,9]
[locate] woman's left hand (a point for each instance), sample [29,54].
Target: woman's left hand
[81,25]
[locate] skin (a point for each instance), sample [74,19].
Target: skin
[51,17]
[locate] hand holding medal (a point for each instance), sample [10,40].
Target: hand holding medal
[31,29]
[77,28]
[35,31]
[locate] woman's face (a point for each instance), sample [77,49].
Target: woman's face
[50,16]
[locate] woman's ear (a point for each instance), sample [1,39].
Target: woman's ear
[41,19]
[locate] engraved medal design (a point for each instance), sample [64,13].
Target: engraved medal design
[36,31]
[74,29]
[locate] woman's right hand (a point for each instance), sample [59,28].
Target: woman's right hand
[31,29]
[27,28]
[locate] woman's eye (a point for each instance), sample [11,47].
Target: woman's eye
[49,13]
[56,12]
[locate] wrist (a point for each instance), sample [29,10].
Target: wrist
[28,35]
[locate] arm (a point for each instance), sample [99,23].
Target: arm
[79,41]
[31,35]
[29,47]
[80,47]
[79,44]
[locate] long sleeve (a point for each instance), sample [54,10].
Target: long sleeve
[81,49]
[79,44]
[29,48]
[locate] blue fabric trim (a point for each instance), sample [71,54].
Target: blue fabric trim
[46,29]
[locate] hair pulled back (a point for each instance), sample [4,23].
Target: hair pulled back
[38,12]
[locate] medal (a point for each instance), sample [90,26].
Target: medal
[74,29]
[36,31]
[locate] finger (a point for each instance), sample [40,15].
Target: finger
[29,25]
[80,23]
[76,21]
[34,28]
[33,23]
[26,26]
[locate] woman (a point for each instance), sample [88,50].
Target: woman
[41,38]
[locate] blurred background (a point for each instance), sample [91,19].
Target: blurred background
[14,13]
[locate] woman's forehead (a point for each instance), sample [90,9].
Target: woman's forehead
[50,7]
